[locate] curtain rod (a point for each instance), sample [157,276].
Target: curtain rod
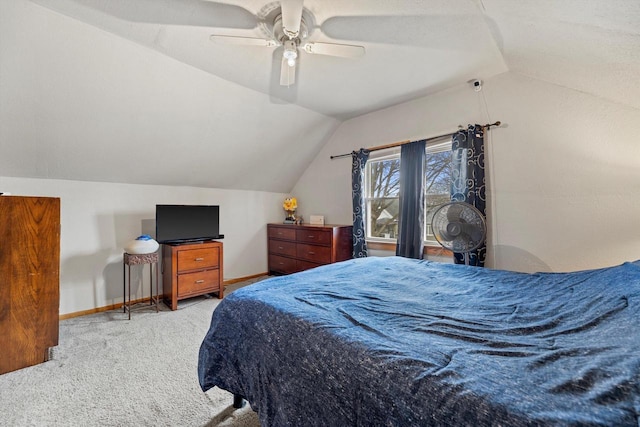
[399,143]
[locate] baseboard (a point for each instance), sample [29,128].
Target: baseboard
[119,305]
[99,309]
[242,279]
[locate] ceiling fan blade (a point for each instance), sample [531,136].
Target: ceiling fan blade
[287,73]
[250,41]
[170,12]
[333,49]
[291,17]
[433,31]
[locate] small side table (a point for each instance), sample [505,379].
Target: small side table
[136,259]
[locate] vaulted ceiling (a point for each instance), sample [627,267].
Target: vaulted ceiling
[135,91]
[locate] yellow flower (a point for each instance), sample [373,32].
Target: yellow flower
[290,204]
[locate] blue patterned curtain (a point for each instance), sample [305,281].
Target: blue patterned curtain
[411,215]
[359,159]
[468,183]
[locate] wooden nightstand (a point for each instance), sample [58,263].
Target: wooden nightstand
[189,270]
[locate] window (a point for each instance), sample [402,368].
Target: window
[381,196]
[382,184]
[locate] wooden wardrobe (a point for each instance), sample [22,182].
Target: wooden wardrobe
[29,280]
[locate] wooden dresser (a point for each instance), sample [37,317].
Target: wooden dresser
[189,270]
[29,280]
[294,248]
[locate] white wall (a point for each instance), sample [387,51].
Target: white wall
[98,219]
[563,177]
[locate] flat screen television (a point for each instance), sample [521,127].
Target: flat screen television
[187,223]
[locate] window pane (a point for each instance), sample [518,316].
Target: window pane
[384,178]
[382,197]
[383,214]
[437,185]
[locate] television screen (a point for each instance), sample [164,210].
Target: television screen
[184,223]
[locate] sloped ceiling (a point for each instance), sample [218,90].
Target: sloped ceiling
[134,90]
[587,45]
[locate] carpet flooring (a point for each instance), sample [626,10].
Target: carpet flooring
[110,371]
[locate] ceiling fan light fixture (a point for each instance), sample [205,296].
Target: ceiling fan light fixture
[290,52]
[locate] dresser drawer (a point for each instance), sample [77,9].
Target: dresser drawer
[321,237]
[282,233]
[197,282]
[282,264]
[194,259]
[314,253]
[282,248]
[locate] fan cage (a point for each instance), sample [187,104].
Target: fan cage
[459,227]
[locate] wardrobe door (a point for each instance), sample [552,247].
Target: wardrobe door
[29,280]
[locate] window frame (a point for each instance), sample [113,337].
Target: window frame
[387,154]
[435,146]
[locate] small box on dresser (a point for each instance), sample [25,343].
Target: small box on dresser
[189,270]
[294,248]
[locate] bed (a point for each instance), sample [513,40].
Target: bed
[399,342]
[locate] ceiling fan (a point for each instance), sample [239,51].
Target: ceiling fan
[289,26]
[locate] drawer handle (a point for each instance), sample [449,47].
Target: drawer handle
[280,247]
[311,236]
[311,253]
[281,263]
[199,281]
[199,259]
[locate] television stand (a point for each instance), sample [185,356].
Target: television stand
[191,269]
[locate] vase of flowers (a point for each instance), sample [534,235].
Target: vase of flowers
[290,205]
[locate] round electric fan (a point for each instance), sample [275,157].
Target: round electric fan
[459,227]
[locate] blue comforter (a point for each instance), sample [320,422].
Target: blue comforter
[400,342]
